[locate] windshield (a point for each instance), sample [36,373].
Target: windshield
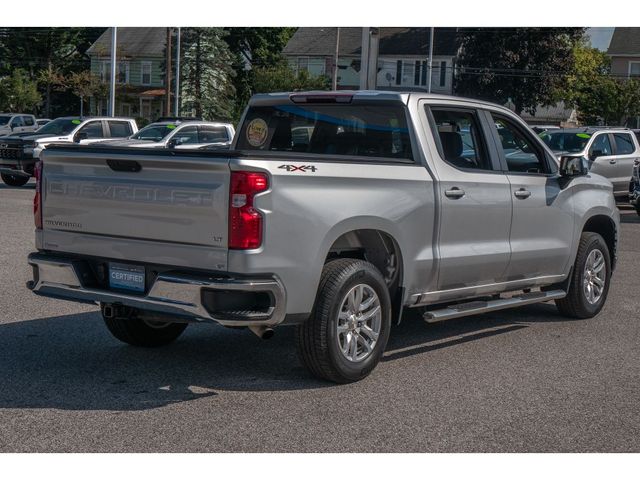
[60,126]
[4,120]
[566,142]
[155,132]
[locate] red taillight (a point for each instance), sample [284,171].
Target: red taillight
[245,222]
[37,199]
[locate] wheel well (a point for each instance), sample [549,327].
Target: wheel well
[374,246]
[604,226]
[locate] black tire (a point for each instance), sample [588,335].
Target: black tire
[14,180]
[575,304]
[317,339]
[128,328]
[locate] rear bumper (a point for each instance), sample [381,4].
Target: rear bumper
[172,294]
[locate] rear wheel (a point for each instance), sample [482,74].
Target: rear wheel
[347,333]
[590,278]
[14,180]
[129,328]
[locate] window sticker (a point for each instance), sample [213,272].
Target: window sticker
[171,126]
[257,131]
[76,122]
[583,135]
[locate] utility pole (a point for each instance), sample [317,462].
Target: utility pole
[176,108]
[112,89]
[335,60]
[430,62]
[167,77]
[369,58]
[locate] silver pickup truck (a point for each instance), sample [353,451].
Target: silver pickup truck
[387,201]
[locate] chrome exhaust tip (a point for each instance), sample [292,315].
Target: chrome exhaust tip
[265,333]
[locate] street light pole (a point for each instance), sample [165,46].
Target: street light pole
[430,62]
[167,77]
[112,90]
[177,94]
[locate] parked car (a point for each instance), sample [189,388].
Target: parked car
[543,128]
[42,121]
[374,212]
[20,152]
[609,152]
[11,123]
[179,134]
[634,186]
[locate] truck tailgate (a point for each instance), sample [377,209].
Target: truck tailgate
[146,197]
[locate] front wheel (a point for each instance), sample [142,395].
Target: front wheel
[347,332]
[590,278]
[129,328]
[14,180]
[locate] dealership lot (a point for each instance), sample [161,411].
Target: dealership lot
[522,380]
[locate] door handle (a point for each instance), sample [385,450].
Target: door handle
[455,192]
[613,161]
[522,193]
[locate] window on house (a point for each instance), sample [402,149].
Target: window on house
[146,73]
[303,64]
[634,69]
[398,72]
[423,80]
[443,74]
[416,75]
[408,71]
[316,66]
[122,72]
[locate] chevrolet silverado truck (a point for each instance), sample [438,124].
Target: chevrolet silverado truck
[20,152]
[391,201]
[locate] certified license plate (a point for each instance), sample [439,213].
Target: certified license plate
[126,277]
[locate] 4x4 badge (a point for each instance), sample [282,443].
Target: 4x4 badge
[299,168]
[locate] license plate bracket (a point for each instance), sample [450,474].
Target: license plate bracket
[123,276]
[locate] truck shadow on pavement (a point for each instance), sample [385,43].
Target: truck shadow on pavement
[71,362]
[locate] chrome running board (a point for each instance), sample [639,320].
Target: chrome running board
[483,306]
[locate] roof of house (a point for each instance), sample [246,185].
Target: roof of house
[625,41]
[393,41]
[132,42]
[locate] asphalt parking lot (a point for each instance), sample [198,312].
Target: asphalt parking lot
[521,380]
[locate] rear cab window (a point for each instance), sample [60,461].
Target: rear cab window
[376,130]
[119,129]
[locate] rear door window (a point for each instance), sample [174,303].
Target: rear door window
[212,134]
[28,120]
[624,144]
[119,129]
[363,130]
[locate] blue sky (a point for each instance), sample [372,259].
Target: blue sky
[600,37]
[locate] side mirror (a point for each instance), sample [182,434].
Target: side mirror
[573,166]
[80,136]
[595,154]
[172,143]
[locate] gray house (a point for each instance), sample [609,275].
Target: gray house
[139,72]
[402,57]
[624,51]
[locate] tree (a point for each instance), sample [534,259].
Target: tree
[18,93]
[56,51]
[207,74]
[253,48]
[524,65]
[282,78]
[84,84]
[597,96]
